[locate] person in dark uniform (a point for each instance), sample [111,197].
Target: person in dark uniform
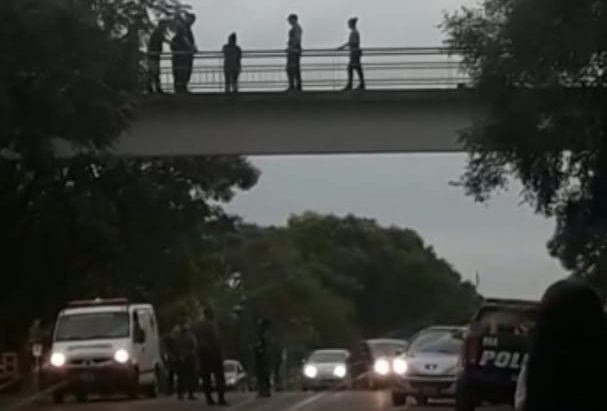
[157,39]
[186,347]
[294,53]
[189,20]
[171,359]
[210,356]
[232,54]
[262,366]
[356,53]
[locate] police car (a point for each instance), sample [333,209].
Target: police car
[495,348]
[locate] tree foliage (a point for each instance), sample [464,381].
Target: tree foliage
[539,67]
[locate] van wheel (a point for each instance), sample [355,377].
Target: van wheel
[58,397]
[151,390]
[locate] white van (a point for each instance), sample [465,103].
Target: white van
[104,347]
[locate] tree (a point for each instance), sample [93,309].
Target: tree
[539,69]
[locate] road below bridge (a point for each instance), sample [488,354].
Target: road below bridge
[285,401]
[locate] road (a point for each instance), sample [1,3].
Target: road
[287,401]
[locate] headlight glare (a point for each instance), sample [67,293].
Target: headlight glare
[310,371]
[57,359]
[381,367]
[399,366]
[121,356]
[339,371]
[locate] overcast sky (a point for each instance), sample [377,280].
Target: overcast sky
[503,241]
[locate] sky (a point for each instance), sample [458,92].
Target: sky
[503,241]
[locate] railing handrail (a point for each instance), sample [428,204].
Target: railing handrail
[332,52]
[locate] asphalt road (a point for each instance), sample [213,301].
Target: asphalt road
[286,401]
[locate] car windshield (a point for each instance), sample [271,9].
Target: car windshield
[328,356]
[92,326]
[387,348]
[229,367]
[435,342]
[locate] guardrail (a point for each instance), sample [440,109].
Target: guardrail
[326,69]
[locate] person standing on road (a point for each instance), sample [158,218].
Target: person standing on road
[232,55]
[356,53]
[567,360]
[294,53]
[157,40]
[262,366]
[210,356]
[186,347]
[171,356]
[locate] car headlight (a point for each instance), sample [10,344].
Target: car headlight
[381,367]
[121,356]
[339,371]
[57,359]
[399,366]
[310,371]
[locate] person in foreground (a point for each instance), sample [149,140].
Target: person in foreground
[568,360]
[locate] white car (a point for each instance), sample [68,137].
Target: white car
[235,375]
[428,368]
[325,369]
[104,347]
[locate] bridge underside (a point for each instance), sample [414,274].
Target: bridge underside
[300,123]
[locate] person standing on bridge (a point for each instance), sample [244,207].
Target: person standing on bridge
[294,53]
[356,53]
[157,40]
[183,48]
[232,54]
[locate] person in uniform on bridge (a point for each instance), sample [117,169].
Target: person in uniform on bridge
[232,55]
[157,40]
[356,53]
[210,356]
[186,347]
[262,366]
[294,53]
[183,48]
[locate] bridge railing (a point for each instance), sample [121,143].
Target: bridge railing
[326,69]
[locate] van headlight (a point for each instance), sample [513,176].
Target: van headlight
[339,371]
[381,367]
[310,371]
[121,356]
[57,359]
[399,366]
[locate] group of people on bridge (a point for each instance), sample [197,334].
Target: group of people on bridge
[194,352]
[183,50]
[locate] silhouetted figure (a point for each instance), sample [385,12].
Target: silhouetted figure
[211,358]
[569,339]
[356,53]
[157,40]
[171,355]
[262,359]
[186,347]
[232,55]
[294,53]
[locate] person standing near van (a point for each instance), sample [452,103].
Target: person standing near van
[185,344]
[356,53]
[232,55]
[210,356]
[294,53]
[262,359]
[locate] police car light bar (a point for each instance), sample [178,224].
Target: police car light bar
[98,302]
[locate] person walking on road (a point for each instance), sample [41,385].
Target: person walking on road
[262,366]
[186,347]
[356,53]
[171,356]
[232,55]
[294,53]
[210,356]
[569,339]
[157,40]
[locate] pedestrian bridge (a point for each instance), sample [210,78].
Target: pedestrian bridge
[416,101]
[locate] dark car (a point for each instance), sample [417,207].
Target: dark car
[370,362]
[495,347]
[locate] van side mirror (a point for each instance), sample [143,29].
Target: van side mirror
[138,335]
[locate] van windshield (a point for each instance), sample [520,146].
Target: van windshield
[92,326]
